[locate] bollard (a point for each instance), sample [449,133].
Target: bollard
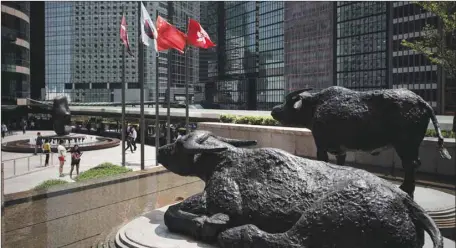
[14,167]
[28,164]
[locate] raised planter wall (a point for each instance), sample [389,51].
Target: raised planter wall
[75,215]
[299,141]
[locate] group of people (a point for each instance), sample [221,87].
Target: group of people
[45,145]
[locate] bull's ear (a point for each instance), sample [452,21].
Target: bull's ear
[298,104]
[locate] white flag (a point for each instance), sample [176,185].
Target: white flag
[148,29]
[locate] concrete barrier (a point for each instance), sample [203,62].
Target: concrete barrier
[299,141]
[74,215]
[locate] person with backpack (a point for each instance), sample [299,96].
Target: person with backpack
[75,160]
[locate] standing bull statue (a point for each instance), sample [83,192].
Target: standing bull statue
[61,116]
[267,197]
[342,120]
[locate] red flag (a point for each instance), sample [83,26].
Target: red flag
[124,34]
[197,36]
[169,36]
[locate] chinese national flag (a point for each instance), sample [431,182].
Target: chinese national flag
[124,34]
[197,36]
[169,36]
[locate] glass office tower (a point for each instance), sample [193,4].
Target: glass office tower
[308,43]
[84,51]
[361,38]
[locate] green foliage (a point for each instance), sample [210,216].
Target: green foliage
[227,118]
[269,121]
[103,170]
[252,120]
[49,183]
[438,47]
[445,134]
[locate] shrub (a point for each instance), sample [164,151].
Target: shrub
[50,183]
[227,118]
[242,120]
[445,134]
[103,170]
[269,121]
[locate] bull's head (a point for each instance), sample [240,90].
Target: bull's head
[296,110]
[179,157]
[61,116]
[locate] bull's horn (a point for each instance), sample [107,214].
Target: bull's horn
[236,142]
[296,92]
[193,144]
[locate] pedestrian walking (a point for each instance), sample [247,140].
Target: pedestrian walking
[62,151]
[4,130]
[129,141]
[134,134]
[39,143]
[75,160]
[47,151]
[24,126]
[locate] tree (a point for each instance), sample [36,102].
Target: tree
[438,45]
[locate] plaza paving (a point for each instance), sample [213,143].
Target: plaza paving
[30,170]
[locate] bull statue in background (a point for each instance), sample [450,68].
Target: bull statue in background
[61,116]
[342,120]
[268,198]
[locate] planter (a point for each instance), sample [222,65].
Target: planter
[299,141]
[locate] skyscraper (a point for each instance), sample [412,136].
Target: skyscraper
[15,50]
[308,44]
[84,52]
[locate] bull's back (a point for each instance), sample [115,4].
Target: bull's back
[279,187]
[367,120]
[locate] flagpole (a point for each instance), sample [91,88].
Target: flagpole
[187,130]
[157,114]
[124,128]
[141,87]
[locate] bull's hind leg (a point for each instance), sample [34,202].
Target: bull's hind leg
[410,162]
[189,217]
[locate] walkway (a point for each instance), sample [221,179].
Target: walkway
[26,179]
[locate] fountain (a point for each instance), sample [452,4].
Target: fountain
[62,119]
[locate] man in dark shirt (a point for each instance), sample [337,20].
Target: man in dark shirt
[39,143]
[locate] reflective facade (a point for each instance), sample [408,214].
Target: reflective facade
[308,43]
[246,71]
[15,50]
[84,52]
[361,38]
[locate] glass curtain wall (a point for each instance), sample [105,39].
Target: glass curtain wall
[361,45]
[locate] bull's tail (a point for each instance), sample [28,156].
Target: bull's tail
[426,222]
[443,151]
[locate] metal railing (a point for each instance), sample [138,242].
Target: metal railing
[19,166]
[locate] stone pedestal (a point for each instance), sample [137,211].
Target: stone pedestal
[150,230]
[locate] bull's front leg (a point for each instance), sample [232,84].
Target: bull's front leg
[190,217]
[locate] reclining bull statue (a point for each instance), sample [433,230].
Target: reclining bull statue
[61,116]
[342,120]
[266,197]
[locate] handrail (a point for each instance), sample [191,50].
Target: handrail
[7,160]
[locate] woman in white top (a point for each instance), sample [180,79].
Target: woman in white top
[62,153]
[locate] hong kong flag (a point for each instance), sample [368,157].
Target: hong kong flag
[169,36]
[124,34]
[197,36]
